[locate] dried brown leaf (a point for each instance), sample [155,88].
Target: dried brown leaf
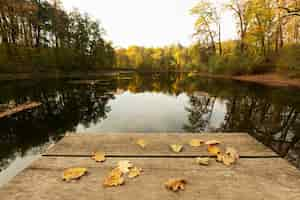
[73,173]
[134,172]
[196,142]
[124,166]
[99,157]
[175,184]
[114,179]
[176,148]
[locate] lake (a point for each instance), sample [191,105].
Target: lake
[149,102]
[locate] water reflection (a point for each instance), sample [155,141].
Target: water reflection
[168,102]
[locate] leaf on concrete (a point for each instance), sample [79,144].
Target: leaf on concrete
[99,157]
[114,179]
[213,149]
[196,142]
[202,161]
[176,147]
[175,184]
[142,143]
[73,173]
[134,172]
[213,142]
[125,166]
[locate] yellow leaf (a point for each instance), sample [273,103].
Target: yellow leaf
[228,160]
[213,142]
[99,157]
[232,152]
[213,149]
[175,184]
[202,161]
[74,173]
[220,157]
[231,156]
[114,179]
[124,166]
[134,172]
[142,143]
[196,142]
[176,148]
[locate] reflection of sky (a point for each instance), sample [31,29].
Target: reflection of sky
[150,112]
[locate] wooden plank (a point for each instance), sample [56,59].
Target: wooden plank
[158,145]
[268,179]
[19,108]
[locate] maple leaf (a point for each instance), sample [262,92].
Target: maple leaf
[134,172]
[114,179]
[176,147]
[202,161]
[73,173]
[175,184]
[124,166]
[196,142]
[99,157]
[142,143]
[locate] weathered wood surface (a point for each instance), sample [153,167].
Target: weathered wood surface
[249,179]
[158,145]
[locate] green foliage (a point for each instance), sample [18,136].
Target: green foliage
[289,58]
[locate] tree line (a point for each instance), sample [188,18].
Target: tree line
[39,35]
[268,39]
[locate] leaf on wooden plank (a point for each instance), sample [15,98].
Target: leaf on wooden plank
[134,172]
[73,173]
[213,142]
[99,157]
[232,152]
[228,160]
[114,179]
[175,184]
[196,142]
[142,143]
[125,166]
[176,148]
[219,157]
[213,149]
[202,161]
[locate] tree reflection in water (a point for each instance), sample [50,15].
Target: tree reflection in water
[269,114]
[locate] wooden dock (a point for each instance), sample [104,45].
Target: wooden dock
[259,174]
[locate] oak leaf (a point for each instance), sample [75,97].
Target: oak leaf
[196,142]
[142,143]
[202,161]
[124,166]
[176,147]
[134,172]
[175,184]
[73,173]
[114,179]
[99,157]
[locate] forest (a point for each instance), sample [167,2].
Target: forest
[268,40]
[39,35]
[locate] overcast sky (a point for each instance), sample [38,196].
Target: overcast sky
[147,22]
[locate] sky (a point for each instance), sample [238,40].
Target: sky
[147,22]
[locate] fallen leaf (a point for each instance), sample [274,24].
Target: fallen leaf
[114,179]
[214,149]
[228,160]
[220,157]
[202,161]
[232,152]
[175,184]
[124,166]
[134,172]
[176,148]
[196,142]
[99,157]
[213,142]
[74,173]
[142,143]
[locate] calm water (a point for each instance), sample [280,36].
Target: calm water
[168,102]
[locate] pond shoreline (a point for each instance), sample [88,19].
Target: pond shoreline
[270,79]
